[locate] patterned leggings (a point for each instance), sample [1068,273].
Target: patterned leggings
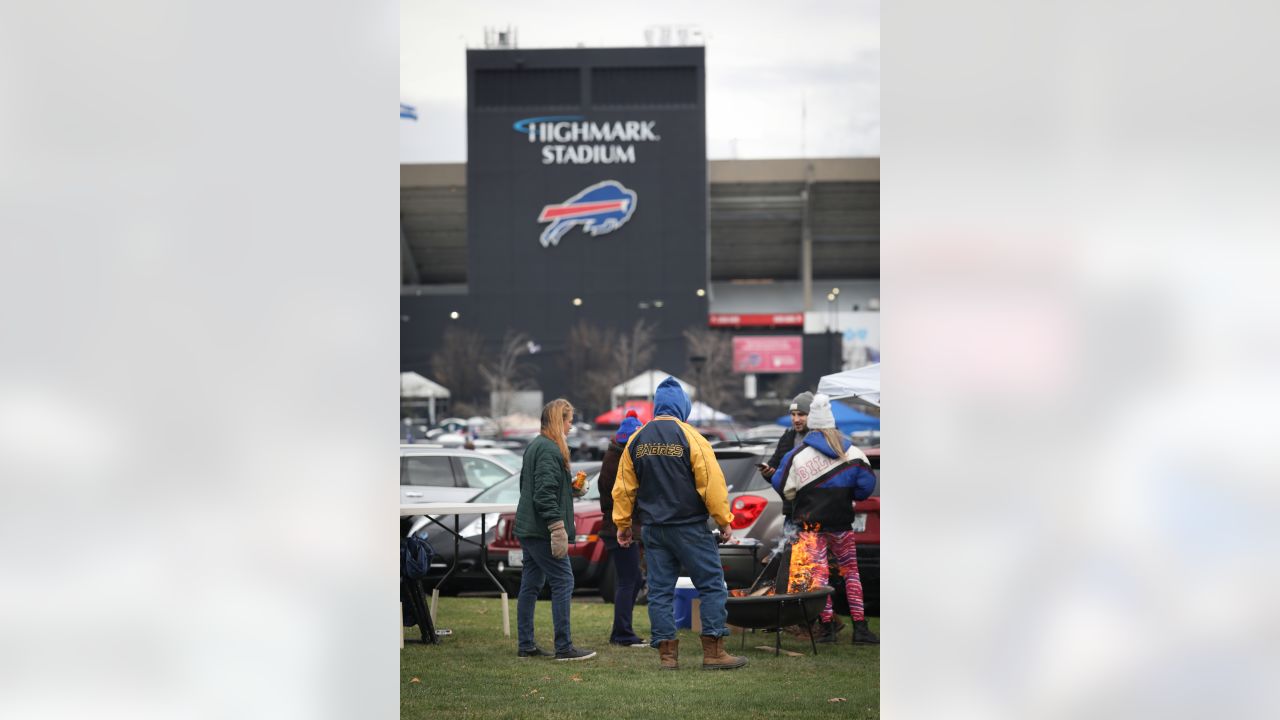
[809,567]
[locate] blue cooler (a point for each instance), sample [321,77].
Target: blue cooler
[683,603]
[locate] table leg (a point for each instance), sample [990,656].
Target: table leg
[435,592]
[484,563]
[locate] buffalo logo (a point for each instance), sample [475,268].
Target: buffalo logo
[599,209]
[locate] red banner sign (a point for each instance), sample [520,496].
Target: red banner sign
[756,320]
[768,354]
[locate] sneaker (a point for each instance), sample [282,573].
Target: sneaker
[535,652]
[575,653]
[637,642]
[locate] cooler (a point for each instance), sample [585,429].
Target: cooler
[683,602]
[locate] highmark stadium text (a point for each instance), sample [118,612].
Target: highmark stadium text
[629,131]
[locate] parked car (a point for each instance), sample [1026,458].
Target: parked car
[757,521]
[468,572]
[867,535]
[433,474]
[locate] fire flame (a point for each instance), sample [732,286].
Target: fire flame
[800,578]
[802,567]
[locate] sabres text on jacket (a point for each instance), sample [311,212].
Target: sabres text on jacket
[667,449]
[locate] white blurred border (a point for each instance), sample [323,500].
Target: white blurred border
[1079,281]
[197,286]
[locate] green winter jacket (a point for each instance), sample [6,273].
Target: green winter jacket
[546,494]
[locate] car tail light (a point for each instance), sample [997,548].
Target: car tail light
[746,509]
[501,531]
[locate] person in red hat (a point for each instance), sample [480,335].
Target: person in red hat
[626,560]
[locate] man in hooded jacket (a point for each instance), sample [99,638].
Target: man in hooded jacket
[669,477]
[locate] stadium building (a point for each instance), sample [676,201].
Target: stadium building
[587,198]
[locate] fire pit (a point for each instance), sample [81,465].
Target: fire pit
[777,611]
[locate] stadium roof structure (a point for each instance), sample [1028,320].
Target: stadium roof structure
[760,214]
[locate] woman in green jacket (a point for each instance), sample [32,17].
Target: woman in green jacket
[544,524]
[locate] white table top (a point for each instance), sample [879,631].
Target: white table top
[444,508]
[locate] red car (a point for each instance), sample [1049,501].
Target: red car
[587,554]
[866,532]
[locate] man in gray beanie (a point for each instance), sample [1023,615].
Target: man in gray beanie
[791,439]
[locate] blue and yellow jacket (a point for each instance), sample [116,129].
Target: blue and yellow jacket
[668,473]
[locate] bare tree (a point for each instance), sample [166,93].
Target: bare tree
[456,365]
[506,373]
[588,363]
[635,350]
[718,386]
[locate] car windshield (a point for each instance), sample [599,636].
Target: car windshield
[506,490]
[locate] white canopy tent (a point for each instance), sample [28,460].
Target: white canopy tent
[643,385]
[413,385]
[862,383]
[415,389]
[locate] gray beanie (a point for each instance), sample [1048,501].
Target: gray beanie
[802,402]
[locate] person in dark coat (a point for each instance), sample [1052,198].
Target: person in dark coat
[626,560]
[544,524]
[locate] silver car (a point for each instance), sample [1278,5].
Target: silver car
[448,474]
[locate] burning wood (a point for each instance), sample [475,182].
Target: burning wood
[757,592]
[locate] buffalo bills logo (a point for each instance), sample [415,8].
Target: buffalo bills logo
[599,209]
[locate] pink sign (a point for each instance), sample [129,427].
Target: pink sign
[768,354]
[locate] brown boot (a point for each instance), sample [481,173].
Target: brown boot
[715,658]
[669,654]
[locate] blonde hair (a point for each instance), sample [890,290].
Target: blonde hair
[554,414]
[834,438]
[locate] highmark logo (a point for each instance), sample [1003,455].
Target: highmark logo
[574,140]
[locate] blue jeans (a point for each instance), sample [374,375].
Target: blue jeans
[666,548]
[539,568]
[626,569]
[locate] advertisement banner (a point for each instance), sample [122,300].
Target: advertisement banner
[768,354]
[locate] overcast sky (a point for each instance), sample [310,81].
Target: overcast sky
[763,58]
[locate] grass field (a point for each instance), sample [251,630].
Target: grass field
[475,673]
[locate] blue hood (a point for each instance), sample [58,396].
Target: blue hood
[669,399]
